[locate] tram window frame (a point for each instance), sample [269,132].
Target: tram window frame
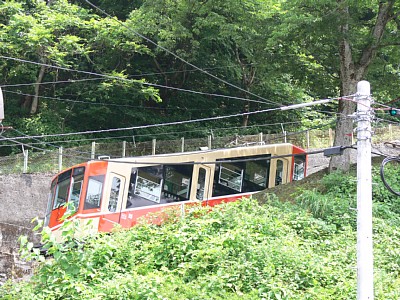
[114,194]
[279,171]
[201,183]
[299,168]
[98,192]
[50,202]
[76,181]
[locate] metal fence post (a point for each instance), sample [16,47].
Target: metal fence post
[153,148]
[260,138]
[60,158]
[182,144]
[93,153]
[26,155]
[209,141]
[123,148]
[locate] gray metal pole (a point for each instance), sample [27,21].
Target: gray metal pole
[123,148]
[26,157]
[60,158]
[1,106]
[93,153]
[153,146]
[365,268]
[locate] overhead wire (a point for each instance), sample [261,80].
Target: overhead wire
[134,81]
[176,122]
[31,145]
[50,82]
[128,77]
[161,133]
[278,136]
[111,104]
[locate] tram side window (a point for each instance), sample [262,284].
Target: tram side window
[94,190]
[228,179]
[256,175]
[62,189]
[177,180]
[298,172]
[279,172]
[148,184]
[159,184]
[114,194]
[145,186]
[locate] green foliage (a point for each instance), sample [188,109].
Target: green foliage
[334,201]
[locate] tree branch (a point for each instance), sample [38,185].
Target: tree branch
[383,17]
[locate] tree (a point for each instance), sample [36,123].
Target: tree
[45,33]
[343,37]
[226,38]
[70,37]
[355,61]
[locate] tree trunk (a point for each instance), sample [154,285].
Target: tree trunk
[350,74]
[35,101]
[245,119]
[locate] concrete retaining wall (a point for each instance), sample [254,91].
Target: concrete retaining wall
[22,198]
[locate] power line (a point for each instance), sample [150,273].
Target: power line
[111,104]
[154,125]
[135,81]
[105,104]
[157,134]
[284,108]
[50,82]
[279,136]
[135,75]
[30,145]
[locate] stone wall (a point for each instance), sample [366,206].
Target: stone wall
[22,198]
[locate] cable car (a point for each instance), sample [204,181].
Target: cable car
[118,192]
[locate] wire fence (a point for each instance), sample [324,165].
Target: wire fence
[31,161]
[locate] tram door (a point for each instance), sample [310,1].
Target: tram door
[203,185]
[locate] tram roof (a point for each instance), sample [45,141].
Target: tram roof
[188,156]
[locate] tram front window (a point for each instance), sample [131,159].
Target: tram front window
[65,188]
[61,194]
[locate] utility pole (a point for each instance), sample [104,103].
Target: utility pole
[365,268]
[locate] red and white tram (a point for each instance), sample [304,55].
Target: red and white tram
[120,191]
